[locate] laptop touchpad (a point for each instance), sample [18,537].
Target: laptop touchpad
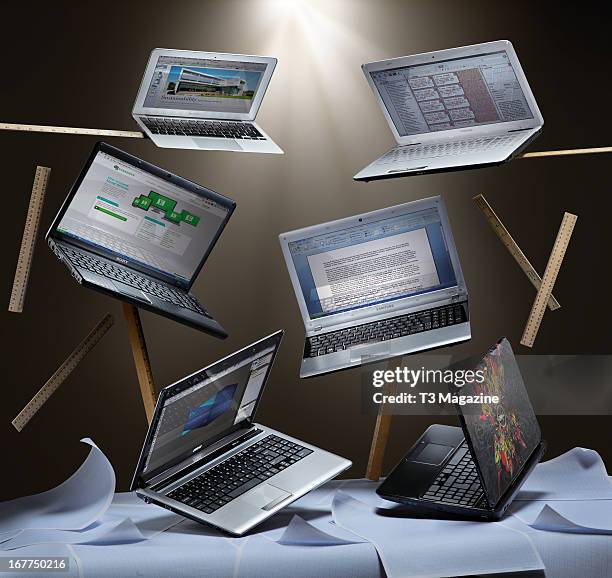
[131,292]
[265,496]
[225,144]
[432,454]
[369,352]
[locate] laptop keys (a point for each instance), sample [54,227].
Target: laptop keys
[238,474]
[145,284]
[245,487]
[393,328]
[458,482]
[203,128]
[437,150]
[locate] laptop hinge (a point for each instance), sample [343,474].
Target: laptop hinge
[204,456]
[318,328]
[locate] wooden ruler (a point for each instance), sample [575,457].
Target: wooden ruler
[141,359]
[512,247]
[380,437]
[566,152]
[45,392]
[550,276]
[69,130]
[30,231]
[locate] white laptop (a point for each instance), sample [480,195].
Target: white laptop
[452,109]
[204,100]
[377,285]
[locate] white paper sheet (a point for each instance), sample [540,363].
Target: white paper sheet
[579,474]
[406,546]
[122,531]
[362,490]
[189,556]
[583,517]
[73,505]
[421,547]
[127,520]
[8,535]
[569,555]
[261,558]
[148,518]
[299,532]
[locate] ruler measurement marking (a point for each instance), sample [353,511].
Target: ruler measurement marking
[506,238]
[64,370]
[69,130]
[550,276]
[28,240]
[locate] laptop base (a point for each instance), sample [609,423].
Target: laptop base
[139,299]
[267,146]
[376,352]
[422,166]
[250,508]
[414,474]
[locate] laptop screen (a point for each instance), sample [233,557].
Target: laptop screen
[204,85]
[452,94]
[203,407]
[139,218]
[503,435]
[382,260]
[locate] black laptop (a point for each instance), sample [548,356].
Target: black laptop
[139,233]
[474,470]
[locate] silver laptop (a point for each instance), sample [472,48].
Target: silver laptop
[204,100]
[204,456]
[452,109]
[377,285]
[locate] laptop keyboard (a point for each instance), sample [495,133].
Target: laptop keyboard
[207,128]
[242,472]
[458,482]
[163,292]
[430,151]
[109,241]
[386,329]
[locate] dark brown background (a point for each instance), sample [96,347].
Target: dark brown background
[80,65]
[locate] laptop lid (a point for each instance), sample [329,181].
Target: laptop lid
[204,407]
[502,436]
[380,262]
[453,93]
[142,216]
[185,83]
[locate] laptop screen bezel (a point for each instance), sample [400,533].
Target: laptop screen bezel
[160,173]
[140,479]
[388,307]
[451,54]
[140,109]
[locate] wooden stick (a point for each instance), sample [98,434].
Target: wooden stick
[508,241]
[62,372]
[566,152]
[380,437]
[550,276]
[141,359]
[28,241]
[70,130]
